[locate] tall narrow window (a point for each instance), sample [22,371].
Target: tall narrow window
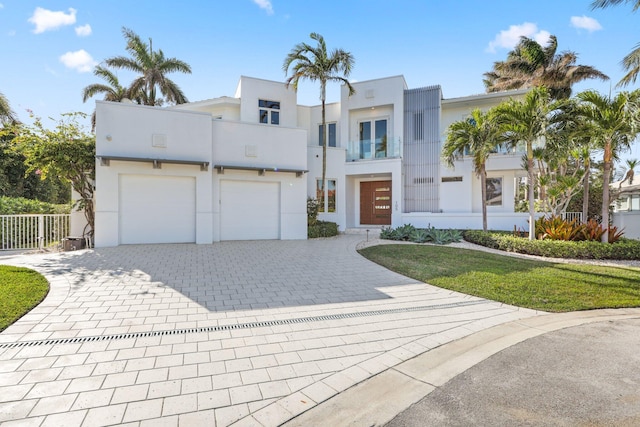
[331,136]
[331,195]
[326,201]
[319,195]
[269,111]
[418,126]
[494,191]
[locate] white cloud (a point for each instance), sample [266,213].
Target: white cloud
[46,20]
[508,39]
[83,30]
[1,6]
[79,60]
[11,33]
[265,5]
[585,23]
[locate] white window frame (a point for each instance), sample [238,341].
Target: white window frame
[269,111]
[328,134]
[323,205]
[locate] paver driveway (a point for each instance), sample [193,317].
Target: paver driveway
[251,333]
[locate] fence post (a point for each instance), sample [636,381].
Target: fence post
[40,231]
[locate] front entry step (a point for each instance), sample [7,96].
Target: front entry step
[374,231]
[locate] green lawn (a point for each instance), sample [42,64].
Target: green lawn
[539,285]
[21,289]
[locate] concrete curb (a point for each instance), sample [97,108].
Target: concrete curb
[378,399]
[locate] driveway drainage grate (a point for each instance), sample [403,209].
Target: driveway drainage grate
[81,340]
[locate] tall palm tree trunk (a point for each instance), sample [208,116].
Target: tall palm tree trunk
[606,178]
[532,207]
[585,196]
[323,90]
[483,191]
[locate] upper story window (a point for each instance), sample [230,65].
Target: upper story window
[331,135]
[269,111]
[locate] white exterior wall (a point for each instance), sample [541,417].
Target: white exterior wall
[495,221]
[268,146]
[78,222]
[250,90]
[373,99]
[224,108]
[304,120]
[466,196]
[335,161]
[457,197]
[374,170]
[332,115]
[126,130]
[630,221]
[335,171]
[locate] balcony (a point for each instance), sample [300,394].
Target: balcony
[374,149]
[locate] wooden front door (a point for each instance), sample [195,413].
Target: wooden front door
[375,203]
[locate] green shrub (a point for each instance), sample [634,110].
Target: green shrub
[312,211]
[20,205]
[322,229]
[409,233]
[387,233]
[623,249]
[420,235]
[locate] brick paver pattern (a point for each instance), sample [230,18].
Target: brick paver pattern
[259,375]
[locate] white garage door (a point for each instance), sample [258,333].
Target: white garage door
[157,209]
[249,210]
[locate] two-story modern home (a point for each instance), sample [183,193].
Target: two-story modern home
[242,167]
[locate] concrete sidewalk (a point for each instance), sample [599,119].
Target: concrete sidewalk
[245,333]
[379,399]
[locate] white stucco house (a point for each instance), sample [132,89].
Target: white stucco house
[242,167]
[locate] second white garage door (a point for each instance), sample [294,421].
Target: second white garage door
[249,210]
[157,209]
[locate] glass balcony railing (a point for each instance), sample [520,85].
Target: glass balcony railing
[374,149]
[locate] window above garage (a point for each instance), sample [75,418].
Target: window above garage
[269,111]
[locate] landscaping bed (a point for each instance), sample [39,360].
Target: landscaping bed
[623,249]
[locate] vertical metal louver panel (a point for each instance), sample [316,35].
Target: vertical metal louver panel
[421,150]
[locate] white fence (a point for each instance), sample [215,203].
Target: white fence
[19,232]
[570,216]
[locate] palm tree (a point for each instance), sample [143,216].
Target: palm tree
[7,116]
[631,62]
[631,165]
[615,122]
[478,136]
[606,3]
[113,90]
[528,121]
[153,68]
[529,64]
[316,64]
[585,155]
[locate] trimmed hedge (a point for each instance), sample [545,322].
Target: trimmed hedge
[20,205]
[624,249]
[322,229]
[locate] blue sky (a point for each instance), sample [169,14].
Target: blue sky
[50,47]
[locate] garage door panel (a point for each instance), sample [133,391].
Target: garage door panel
[157,209]
[249,210]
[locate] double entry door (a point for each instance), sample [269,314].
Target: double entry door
[375,203]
